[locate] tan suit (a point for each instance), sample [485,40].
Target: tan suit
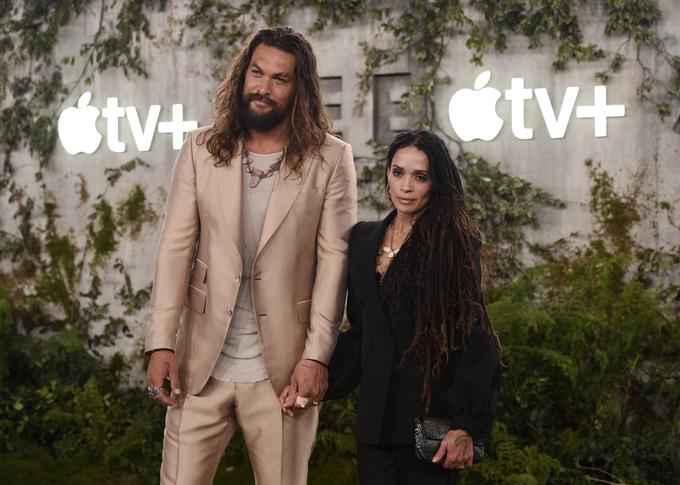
[298,276]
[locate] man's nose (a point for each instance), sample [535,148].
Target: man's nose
[264,87]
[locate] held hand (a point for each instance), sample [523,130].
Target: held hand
[312,379]
[309,381]
[457,448]
[283,400]
[163,364]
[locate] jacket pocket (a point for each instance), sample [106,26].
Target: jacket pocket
[303,310]
[196,299]
[199,273]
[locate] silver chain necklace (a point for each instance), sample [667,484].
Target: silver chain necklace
[255,173]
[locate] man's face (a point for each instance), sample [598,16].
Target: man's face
[268,88]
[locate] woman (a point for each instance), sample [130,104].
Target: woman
[420,342]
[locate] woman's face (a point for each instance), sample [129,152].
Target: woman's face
[409,181]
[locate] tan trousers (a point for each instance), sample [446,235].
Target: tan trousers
[199,427]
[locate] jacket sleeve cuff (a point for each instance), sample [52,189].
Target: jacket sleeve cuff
[470,426]
[322,358]
[317,361]
[157,340]
[151,351]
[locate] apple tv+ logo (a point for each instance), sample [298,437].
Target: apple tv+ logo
[473,111]
[78,131]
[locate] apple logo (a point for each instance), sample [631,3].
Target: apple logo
[77,129]
[473,112]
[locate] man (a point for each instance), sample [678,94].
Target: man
[254,246]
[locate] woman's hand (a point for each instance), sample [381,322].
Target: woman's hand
[456,448]
[286,402]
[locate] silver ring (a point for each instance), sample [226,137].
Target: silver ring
[301,401]
[315,403]
[153,392]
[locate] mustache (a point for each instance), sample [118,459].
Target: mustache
[259,97]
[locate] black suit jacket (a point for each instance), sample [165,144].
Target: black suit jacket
[369,355]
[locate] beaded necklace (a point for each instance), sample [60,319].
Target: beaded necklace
[255,173]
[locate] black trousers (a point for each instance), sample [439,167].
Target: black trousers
[398,465]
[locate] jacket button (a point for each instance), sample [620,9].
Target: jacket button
[229,312]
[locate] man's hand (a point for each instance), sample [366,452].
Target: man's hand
[162,365]
[457,448]
[309,380]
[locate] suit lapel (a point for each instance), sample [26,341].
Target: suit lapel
[375,293]
[230,184]
[286,190]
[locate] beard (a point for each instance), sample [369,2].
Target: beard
[261,121]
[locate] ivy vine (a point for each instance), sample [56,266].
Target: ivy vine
[54,278]
[423,30]
[420,29]
[52,272]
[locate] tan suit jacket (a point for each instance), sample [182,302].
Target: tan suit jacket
[298,275]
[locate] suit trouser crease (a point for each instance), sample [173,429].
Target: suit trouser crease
[199,428]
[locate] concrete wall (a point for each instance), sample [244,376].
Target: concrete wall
[180,74]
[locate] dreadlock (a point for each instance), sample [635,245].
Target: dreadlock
[436,269]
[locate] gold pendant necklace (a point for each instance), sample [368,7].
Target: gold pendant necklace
[391,251]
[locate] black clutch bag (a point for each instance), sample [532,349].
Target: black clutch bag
[429,434]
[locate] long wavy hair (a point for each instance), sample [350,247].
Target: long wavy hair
[310,121]
[436,275]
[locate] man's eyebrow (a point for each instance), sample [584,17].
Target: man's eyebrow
[283,74]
